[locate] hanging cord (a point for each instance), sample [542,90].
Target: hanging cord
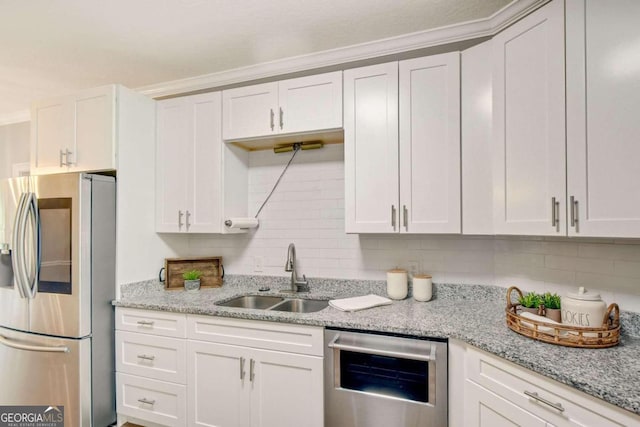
[296,148]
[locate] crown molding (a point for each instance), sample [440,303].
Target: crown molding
[17,117]
[486,27]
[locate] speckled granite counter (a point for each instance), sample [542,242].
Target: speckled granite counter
[473,314]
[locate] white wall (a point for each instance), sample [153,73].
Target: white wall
[308,209]
[14,147]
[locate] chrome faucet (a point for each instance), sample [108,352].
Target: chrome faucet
[296,283]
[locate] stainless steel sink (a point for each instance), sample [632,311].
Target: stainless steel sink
[268,302]
[299,305]
[260,302]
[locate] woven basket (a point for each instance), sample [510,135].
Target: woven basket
[568,335]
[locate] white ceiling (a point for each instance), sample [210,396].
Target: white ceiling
[52,47]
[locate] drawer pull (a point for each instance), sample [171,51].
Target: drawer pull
[147,401]
[535,396]
[242,368]
[146,357]
[252,374]
[145,322]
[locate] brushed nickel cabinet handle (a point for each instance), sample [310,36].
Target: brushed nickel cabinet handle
[147,401]
[146,357]
[252,373]
[281,118]
[405,214]
[66,157]
[554,212]
[61,162]
[145,322]
[535,396]
[573,204]
[393,216]
[180,220]
[241,368]
[188,223]
[272,124]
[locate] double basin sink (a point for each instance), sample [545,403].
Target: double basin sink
[276,303]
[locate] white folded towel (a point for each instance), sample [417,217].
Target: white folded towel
[359,303]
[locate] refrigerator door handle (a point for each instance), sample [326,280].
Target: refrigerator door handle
[16,255]
[31,214]
[19,346]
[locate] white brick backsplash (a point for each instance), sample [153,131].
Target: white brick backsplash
[308,210]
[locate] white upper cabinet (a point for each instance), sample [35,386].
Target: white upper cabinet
[529,170]
[603,128]
[75,133]
[430,144]
[189,164]
[371,149]
[304,104]
[402,146]
[250,111]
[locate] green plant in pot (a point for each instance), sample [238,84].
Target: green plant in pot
[530,302]
[551,304]
[192,280]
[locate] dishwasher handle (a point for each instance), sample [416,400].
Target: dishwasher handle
[335,344]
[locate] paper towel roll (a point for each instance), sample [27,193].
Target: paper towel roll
[241,223]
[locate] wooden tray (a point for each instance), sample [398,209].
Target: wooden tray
[568,335]
[211,268]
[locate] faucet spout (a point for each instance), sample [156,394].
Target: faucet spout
[290,265]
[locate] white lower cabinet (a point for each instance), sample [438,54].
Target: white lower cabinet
[499,393]
[233,385]
[177,370]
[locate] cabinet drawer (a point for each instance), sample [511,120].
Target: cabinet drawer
[150,400]
[257,334]
[151,322]
[151,356]
[517,385]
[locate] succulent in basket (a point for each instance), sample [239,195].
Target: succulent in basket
[530,302]
[192,280]
[551,304]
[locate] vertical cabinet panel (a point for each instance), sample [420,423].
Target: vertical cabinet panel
[476,115]
[95,130]
[250,111]
[173,145]
[310,103]
[603,93]
[430,144]
[529,125]
[206,176]
[371,149]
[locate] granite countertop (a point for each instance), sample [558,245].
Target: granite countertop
[471,313]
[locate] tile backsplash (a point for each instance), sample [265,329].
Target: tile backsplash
[307,209]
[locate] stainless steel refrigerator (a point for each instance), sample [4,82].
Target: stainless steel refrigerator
[57,281]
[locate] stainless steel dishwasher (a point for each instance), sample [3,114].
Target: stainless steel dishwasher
[376,380]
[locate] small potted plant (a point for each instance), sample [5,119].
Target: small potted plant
[530,302]
[551,304]
[192,280]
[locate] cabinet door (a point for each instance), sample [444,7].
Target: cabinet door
[291,378]
[529,125]
[203,213]
[250,111]
[174,143]
[371,149]
[603,93]
[218,385]
[94,130]
[310,103]
[430,144]
[485,409]
[52,128]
